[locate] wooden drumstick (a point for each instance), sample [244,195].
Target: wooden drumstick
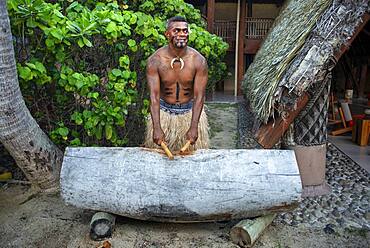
[166,150]
[185,147]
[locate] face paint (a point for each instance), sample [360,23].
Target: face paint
[178,34]
[181,40]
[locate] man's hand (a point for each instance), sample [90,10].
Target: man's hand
[192,135]
[158,136]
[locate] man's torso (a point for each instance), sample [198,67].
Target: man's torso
[177,84]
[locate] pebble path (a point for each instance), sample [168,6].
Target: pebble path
[348,204]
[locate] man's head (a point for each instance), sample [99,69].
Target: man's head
[177,31]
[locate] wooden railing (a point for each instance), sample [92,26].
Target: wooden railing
[256,29]
[226,30]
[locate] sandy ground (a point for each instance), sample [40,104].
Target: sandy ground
[223,120]
[44,221]
[28,220]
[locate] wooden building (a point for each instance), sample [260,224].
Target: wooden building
[243,24]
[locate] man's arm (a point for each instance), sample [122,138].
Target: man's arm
[153,80]
[200,82]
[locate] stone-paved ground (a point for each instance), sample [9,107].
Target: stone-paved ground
[347,206]
[246,127]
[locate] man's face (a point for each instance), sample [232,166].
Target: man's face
[178,34]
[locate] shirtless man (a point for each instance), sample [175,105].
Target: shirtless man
[177,77]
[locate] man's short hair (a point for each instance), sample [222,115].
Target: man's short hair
[175,19]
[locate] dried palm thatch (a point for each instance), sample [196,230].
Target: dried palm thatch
[299,51]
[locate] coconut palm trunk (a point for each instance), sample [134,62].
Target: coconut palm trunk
[31,148]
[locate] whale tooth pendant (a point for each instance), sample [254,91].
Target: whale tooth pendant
[180,60]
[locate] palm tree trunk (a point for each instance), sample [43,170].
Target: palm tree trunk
[31,148]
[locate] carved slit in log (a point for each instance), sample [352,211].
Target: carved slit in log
[206,186]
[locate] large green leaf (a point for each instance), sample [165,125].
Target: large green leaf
[25,73]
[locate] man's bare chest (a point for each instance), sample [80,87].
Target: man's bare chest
[176,74]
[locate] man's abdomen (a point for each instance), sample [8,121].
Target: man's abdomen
[174,100]
[177,93]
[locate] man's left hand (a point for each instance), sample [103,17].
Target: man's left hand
[192,135]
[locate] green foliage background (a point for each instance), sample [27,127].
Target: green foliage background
[81,64]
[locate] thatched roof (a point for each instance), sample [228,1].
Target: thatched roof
[298,51]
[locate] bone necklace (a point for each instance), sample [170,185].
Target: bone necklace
[180,60]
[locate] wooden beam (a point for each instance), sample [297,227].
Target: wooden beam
[241,38]
[347,45]
[341,131]
[269,134]
[250,8]
[210,15]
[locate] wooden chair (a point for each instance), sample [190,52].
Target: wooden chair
[333,120]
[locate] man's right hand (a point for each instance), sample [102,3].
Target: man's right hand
[158,136]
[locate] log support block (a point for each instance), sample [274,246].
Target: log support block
[246,232]
[101,225]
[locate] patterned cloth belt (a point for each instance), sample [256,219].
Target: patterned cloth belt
[177,108]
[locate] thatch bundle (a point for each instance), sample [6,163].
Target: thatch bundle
[298,51]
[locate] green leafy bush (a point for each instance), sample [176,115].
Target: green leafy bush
[81,64]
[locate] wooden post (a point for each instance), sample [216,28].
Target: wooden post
[362,84]
[240,47]
[246,232]
[210,15]
[236,49]
[250,6]
[248,42]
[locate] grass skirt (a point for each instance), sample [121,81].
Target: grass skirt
[175,128]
